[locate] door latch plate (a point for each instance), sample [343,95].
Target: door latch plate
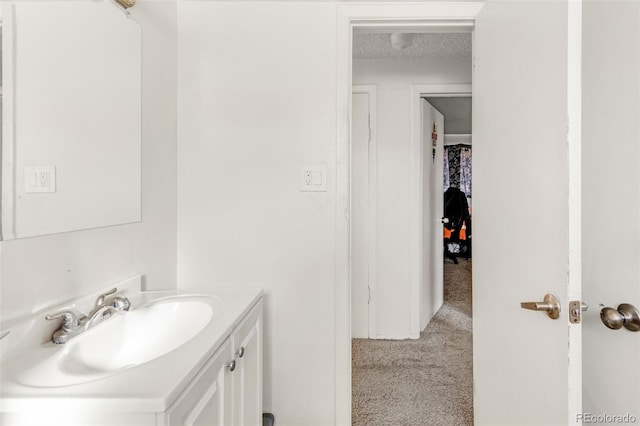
[575,311]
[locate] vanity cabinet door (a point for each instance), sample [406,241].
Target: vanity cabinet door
[208,401]
[247,348]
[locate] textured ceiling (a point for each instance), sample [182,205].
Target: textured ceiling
[427,45]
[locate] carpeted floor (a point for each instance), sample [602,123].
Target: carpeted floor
[420,382]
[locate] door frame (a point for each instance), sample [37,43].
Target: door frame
[419,91]
[372,91]
[408,17]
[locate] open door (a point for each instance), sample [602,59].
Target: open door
[432,285]
[611,194]
[525,209]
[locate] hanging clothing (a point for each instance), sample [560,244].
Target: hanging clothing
[456,209]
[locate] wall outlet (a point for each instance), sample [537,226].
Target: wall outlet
[307,177]
[313,178]
[39,179]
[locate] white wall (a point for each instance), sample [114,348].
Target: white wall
[394,79]
[257,100]
[611,201]
[36,271]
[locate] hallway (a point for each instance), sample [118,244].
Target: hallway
[420,382]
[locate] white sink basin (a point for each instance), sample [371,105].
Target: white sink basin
[123,341]
[133,338]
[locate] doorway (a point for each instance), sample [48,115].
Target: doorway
[405,136]
[531,124]
[456,170]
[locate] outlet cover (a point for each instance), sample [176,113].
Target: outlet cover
[313,178]
[39,179]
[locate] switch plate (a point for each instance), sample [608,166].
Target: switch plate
[313,178]
[39,179]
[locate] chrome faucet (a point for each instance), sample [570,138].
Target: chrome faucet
[118,303]
[100,315]
[74,323]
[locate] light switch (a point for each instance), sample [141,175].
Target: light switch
[316,177]
[39,179]
[313,178]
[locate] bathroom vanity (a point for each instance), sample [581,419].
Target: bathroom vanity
[172,359]
[228,389]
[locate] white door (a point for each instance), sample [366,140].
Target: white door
[611,206]
[437,210]
[523,363]
[360,132]
[431,288]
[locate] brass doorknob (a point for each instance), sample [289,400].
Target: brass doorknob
[626,316]
[550,305]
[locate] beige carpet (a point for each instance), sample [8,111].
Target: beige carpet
[420,382]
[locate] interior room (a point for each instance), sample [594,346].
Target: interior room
[387,67]
[177,211]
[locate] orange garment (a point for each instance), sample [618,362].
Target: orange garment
[463,232]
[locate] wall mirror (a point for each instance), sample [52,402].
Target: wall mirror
[71,116]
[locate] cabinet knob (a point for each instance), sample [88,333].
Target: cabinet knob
[240,352]
[232,365]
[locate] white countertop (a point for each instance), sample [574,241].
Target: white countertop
[149,387]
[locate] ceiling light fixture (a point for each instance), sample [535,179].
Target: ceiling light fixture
[400,41]
[126,3]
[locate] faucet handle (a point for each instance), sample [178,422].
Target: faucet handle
[100,299]
[70,319]
[121,303]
